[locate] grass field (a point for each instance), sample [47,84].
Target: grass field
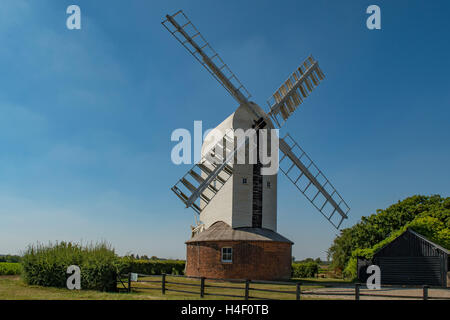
[13,287]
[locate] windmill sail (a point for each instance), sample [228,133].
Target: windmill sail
[305,175]
[187,34]
[209,175]
[189,188]
[294,90]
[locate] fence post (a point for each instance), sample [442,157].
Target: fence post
[129,282]
[298,290]
[425,292]
[163,283]
[202,287]
[357,291]
[247,289]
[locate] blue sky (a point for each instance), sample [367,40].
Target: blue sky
[86,115]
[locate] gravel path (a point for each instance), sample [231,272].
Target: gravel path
[382,294]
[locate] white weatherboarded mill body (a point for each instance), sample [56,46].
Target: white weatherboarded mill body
[235,202]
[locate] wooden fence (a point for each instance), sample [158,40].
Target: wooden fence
[203,286]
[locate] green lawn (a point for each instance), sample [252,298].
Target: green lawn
[13,287]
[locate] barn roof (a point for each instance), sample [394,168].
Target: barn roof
[397,241]
[220,231]
[429,241]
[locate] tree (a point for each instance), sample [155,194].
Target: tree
[428,215]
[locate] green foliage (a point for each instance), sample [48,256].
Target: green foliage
[368,253]
[432,228]
[150,267]
[9,258]
[350,269]
[10,268]
[46,265]
[305,269]
[429,216]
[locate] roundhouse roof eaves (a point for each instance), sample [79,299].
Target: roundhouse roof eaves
[220,231]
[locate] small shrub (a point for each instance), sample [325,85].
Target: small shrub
[10,268]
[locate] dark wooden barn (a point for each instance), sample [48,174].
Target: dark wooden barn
[411,259]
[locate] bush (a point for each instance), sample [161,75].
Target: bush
[305,269]
[151,267]
[9,268]
[47,265]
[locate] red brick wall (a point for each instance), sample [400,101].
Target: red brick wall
[255,260]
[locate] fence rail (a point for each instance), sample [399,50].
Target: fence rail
[247,288]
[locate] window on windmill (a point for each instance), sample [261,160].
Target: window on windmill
[268,184]
[244,180]
[227,254]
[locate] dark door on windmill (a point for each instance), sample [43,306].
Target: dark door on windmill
[257,189]
[410,270]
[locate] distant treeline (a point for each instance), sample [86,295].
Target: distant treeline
[9,258]
[145,257]
[317,260]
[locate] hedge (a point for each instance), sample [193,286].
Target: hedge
[46,265]
[10,268]
[305,269]
[151,267]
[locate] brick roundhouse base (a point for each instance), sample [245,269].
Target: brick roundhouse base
[254,260]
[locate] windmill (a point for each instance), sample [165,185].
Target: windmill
[237,205]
